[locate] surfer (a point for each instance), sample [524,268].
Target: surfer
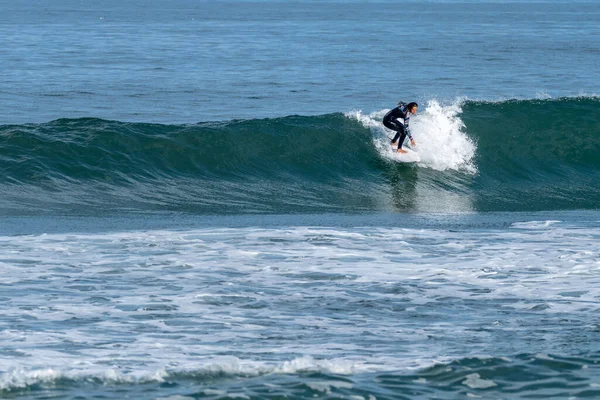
[401,128]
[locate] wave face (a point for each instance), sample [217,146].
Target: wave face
[533,155]
[476,156]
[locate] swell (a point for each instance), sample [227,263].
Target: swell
[477,156]
[536,154]
[290,164]
[94,149]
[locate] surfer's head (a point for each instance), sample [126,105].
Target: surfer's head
[412,107]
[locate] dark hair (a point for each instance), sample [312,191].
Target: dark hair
[410,106]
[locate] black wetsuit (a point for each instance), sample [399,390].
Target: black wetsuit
[391,121]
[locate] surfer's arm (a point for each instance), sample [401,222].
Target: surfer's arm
[406,128]
[409,134]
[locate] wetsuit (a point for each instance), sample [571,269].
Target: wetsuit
[391,121]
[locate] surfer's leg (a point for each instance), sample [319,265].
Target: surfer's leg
[401,134]
[392,126]
[395,127]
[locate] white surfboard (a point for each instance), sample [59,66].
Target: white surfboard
[408,157]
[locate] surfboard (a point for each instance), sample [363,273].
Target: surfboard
[408,157]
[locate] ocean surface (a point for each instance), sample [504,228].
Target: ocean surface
[198,200]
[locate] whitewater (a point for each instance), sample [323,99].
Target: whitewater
[198,200]
[193,306]
[445,144]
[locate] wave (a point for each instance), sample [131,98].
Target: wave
[225,366]
[521,376]
[518,155]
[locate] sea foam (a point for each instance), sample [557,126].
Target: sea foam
[440,135]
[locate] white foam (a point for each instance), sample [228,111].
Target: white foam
[336,366]
[474,381]
[204,278]
[24,377]
[326,386]
[442,142]
[534,224]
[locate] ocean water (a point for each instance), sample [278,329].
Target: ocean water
[199,200]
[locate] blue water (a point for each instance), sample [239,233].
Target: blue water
[198,200]
[189,61]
